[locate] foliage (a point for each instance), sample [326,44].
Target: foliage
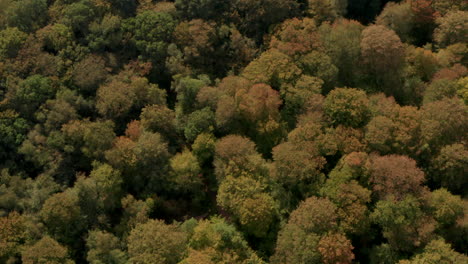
[156,242]
[227,131]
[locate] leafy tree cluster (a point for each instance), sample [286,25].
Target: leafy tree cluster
[233,131]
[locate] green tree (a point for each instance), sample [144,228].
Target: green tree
[216,241]
[347,106]
[105,34]
[320,65]
[383,55]
[342,42]
[186,173]
[200,121]
[404,224]
[272,67]
[250,204]
[11,40]
[119,97]
[143,163]
[62,216]
[450,167]
[400,18]
[204,147]
[156,242]
[104,247]
[150,32]
[78,15]
[437,251]
[158,118]
[447,208]
[27,15]
[100,193]
[32,92]
[13,131]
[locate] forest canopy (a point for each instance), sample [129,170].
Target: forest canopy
[233,131]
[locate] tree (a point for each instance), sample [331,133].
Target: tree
[91,139]
[395,176]
[400,18]
[445,6]
[383,55]
[335,248]
[90,73]
[437,251]
[447,208]
[200,121]
[403,223]
[216,241]
[78,15]
[31,93]
[450,167]
[298,167]
[27,15]
[296,97]
[118,98]
[186,173]
[273,68]
[247,200]
[46,250]
[451,29]
[207,48]
[12,235]
[143,163]
[236,156]
[320,65]
[441,122]
[100,193]
[104,247]
[62,216]
[187,89]
[105,34]
[298,240]
[13,131]
[204,147]
[135,212]
[351,200]
[347,106]
[295,37]
[11,40]
[398,133]
[56,37]
[321,10]
[158,118]
[150,32]
[342,42]
[156,242]
[424,19]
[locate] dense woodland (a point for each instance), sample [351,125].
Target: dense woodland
[233,131]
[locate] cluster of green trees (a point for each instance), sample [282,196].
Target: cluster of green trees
[233,131]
